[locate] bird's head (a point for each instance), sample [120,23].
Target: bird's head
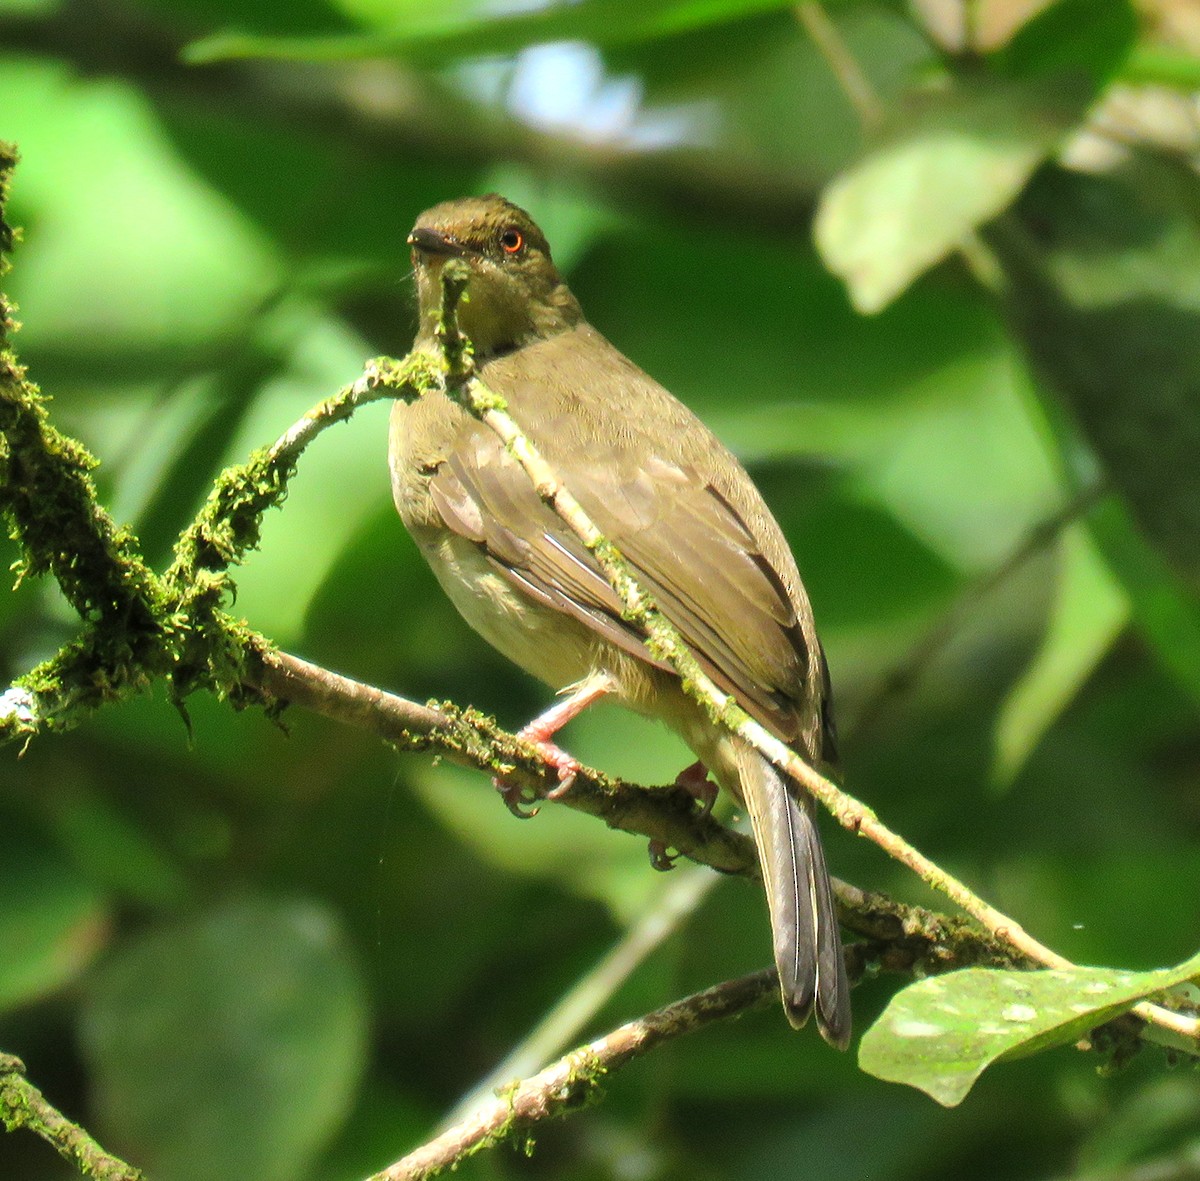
[514,295]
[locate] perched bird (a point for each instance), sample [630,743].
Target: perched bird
[677,505]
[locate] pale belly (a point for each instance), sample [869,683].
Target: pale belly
[547,644]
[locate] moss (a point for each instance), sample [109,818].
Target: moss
[8,235]
[50,501]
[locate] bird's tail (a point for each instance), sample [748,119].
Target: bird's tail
[804,926]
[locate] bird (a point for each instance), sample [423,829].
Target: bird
[682,511]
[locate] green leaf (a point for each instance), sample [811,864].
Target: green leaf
[1090,611]
[443,31]
[940,1034]
[956,160]
[229,1045]
[1164,608]
[52,921]
[1104,283]
[1089,38]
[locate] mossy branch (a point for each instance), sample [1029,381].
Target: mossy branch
[22,1105]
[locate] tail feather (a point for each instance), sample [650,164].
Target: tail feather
[808,948]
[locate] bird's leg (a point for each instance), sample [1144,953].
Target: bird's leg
[695,781]
[540,731]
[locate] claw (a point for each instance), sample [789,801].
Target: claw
[660,859]
[567,767]
[521,804]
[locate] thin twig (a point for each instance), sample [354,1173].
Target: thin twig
[926,651]
[573,1079]
[850,75]
[228,524]
[583,1000]
[22,1105]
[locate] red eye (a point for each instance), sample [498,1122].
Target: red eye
[511,241]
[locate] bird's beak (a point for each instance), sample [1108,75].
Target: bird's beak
[432,242]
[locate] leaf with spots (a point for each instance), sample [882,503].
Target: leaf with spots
[940,1034]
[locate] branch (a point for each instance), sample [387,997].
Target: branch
[229,524]
[667,814]
[574,1079]
[664,641]
[139,626]
[910,937]
[22,1105]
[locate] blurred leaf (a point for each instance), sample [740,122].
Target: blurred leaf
[1166,611]
[940,1034]
[758,100]
[52,922]
[1105,287]
[100,180]
[438,31]
[230,1044]
[1089,38]
[1162,65]
[958,157]
[288,180]
[113,850]
[981,25]
[1090,611]
[953,161]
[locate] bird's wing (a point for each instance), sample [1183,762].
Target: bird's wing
[687,545]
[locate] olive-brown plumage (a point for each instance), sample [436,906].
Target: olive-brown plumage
[678,506]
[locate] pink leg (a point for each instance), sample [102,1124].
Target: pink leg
[540,731]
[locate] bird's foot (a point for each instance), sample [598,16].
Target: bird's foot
[660,859]
[695,781]
[521,800]
[564,764]
[518,799]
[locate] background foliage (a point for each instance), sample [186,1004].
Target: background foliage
[285,954]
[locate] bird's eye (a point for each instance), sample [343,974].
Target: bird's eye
[511,240]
